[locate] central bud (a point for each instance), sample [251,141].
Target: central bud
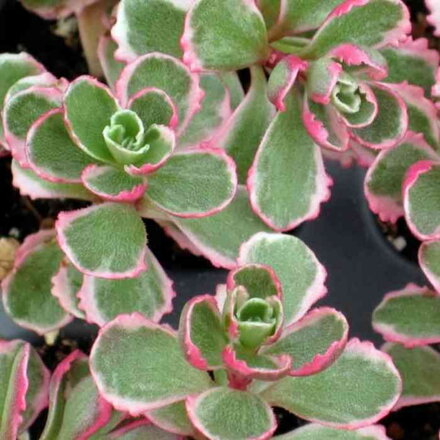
[125,137]
[346,95]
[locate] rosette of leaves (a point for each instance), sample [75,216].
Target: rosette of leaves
[88,144]
[261,347]
[24,388]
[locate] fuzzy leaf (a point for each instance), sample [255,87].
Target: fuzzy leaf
[314,431]
[66,284]
[76,409]
[194,183]
[113,184]
[248,416]
[89,106]
[314,342]
[172,418]
[413,62]
[360,388]
[420,371]
[20,113]
[215,110]
[55,9]
[149,26]
[27,290]
[287,164]
[244,130]
[409,316]
[132,350]
[302,15]
[300,273]
[322,76]
[429,260]
[361,22]
[51,152]
[23,390]
[141,430]
[219,237]
[201,333]
[421,200]
[236,28]
[385,177]
[29,184]
[165,73]
[150,293]
[390,123]
[111,67]
[84,235]
[13,67]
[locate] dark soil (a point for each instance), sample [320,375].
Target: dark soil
[20,216]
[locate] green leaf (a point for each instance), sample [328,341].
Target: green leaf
[139,366]
[141,430]
[287,164]
[314,342]
[66,284]
[27,290]
[361,387]
[314,431]
[110,183]
[149,26]
[219,237]
[111,67]
[51,152]
[248,416]
[150,293]
[244,130]
[165,73]
[215,110]
[421,196]
[89,106]
[300,273]
[201,333]
[413,62]
[172,418]
[232,82]
[409,316]
[29,184]
[420,371]
[385,177]
[93,240]
[224,35]
[429,260]
[367,23]
[194,183]
[390,123]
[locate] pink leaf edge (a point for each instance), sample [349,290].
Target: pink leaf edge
[433,278]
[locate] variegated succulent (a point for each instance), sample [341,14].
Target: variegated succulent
[262,349]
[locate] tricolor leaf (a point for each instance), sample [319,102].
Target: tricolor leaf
[149,26]
[132,350]
[248,416]
[150,293]
[301,275]
[141,429]
[420,371]
[385,177]
[322,76]
[201,333]
[243,131]
[362,22]
[360,388]
[111,67]
[27,290]
[409,316]
[314,342]
[93,240]
[194,183]
[429,260]
[287,164]
[421,199]
[165,73]
[172,418]
[224,35]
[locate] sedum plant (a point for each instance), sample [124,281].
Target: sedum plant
[261,347]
